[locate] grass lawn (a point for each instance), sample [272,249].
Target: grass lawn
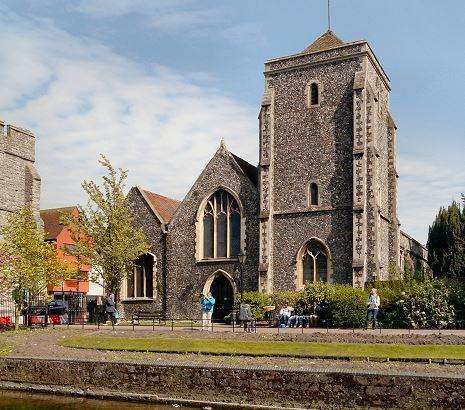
[165,344]
[4,350]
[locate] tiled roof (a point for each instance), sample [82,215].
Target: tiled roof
[165,206]
[250,170]
[52,224]
[324,42]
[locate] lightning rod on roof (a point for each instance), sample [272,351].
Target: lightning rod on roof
[329,17]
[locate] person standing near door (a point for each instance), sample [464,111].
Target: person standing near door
[207,304]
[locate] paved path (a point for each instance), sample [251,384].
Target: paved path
[196,326]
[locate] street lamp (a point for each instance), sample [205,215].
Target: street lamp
[241,260]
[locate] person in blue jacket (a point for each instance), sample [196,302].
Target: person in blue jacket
[207,304]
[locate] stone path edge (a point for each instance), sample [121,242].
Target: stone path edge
[290,356]
[113,395]
[276,368]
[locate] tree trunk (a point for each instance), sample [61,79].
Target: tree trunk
[17,314]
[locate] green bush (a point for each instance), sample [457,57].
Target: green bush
[286,298]
[256,300]
[347,306]
[457,300]
[418,304]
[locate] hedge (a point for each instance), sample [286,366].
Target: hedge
[413,303]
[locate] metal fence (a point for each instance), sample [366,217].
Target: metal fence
[40,312]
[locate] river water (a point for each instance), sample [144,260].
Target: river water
[28,401]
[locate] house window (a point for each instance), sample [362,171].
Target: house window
[140,281]
[315,263]
[221,226]
[314,94]
[314,194]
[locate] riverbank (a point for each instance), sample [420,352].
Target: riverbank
[241,385]
[39,357]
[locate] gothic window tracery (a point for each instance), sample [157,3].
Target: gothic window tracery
[140,280]
[315,263]
[221,226]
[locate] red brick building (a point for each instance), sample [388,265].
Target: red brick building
[57,233]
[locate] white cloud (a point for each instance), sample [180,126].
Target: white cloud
[117,8]
[423,188]
[82,99]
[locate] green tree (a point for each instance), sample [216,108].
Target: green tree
[27,262]
[446,244]
[104,232]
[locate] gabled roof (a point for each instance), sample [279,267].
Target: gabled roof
[162,206]
[324,42]
[250,170]
[52,223]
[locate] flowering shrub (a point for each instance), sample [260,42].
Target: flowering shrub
[5,322]
[416,304]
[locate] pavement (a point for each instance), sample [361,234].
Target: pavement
[220,327]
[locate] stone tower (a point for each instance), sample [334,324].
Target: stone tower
[19,179]
[327,165]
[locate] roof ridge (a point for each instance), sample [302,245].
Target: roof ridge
[324,42]
[160,195]
[58,208]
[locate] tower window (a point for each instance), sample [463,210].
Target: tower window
[314,199]
[314,94]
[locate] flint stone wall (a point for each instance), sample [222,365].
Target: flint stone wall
[145,219]
[246,385]
[19,180]
[186,275]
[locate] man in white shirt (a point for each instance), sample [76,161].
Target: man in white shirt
[373,303]
[285,314]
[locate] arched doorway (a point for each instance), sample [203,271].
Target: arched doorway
[222,289]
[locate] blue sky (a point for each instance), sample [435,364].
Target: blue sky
[155,84]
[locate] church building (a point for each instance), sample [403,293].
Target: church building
[321,204]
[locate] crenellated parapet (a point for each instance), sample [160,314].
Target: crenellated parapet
[19,180]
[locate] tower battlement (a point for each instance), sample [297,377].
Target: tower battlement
[17,141]
[19,179]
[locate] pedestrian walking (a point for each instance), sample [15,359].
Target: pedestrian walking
[207,303]
[245,316]
[110,308]
[373,303]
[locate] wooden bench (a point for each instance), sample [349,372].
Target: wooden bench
[152,316]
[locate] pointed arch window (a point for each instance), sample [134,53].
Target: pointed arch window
[315,263]
[314,194]
[221,226]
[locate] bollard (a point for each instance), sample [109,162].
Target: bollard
[192,325]
[233,317]
[172,324]
[212,326]
[153,324]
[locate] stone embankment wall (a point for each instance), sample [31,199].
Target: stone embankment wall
[247,385]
